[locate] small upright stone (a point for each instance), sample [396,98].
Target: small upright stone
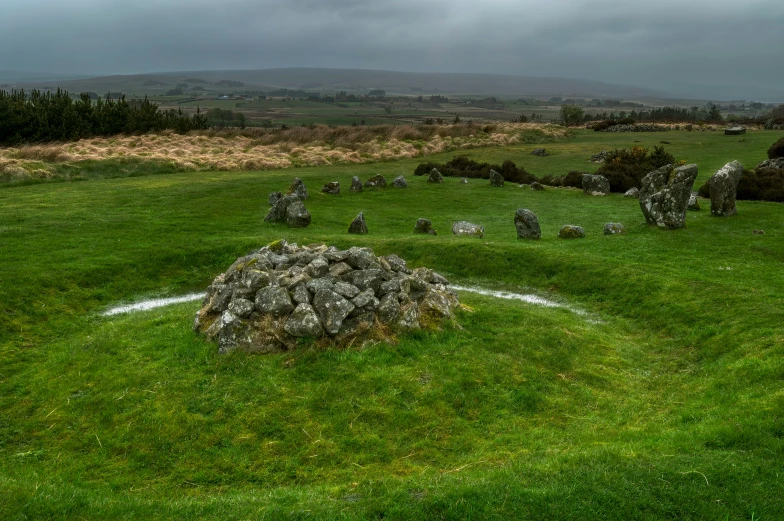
[570,231]
[274,197]
[289,210]
[541,152]
[332,188]
[614,228]
[424,226]
[536,185]
[633,192]
[356,184]
[694,203]
[400,182]
[298,188]
[595,185]
[358,225]
[527,224]
[435,176]
[377,181]
[723,186]
[496,179]
[466,228]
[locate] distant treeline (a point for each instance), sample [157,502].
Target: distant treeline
[710,113]
[46,116]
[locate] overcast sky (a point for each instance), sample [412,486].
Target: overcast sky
[696,47]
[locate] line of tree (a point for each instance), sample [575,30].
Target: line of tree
[56,116]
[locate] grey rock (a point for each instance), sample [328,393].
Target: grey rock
[339,268]
[614,228]
[464,181]
[332,188]
[541,152]
[777,163]
[496,179]
[356,184]
[600,157]
[595,185]
[303,322]
[527,224]
[400,182]
[536,185]
[361,258]
[396,263]
[435,304]
[274,197]
[219,299]
[364,298]
[332,309]
[632,192]
[723,186]
[466,228]
[358,225]
[344,289]
[694,203]
[396,285]
[318,267]
[364,279]
[241,307]
[570,231]
[409,316]
[377,181]
[274,300]
[388,308]
[289,210]
[435,176]
[323,283]
[298,188]
[301,295]
[357,325]
[665,194]
[424,226]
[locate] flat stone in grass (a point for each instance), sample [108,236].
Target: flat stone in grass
[274,197]
[665,194]
[614,228]
[356,184]
[358,225]
[377,181]
[527,224]
[694,203]
[632,192]
[570,231]
[332,188]
[424,226]
[723,186]
[496,179]
[298,188]
[595,185]
[400,182]
[435,176]
[467,228]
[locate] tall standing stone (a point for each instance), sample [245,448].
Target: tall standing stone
[723,186]
[358,225]
[356,184]
[298,188]
[527,224]
[665,194]
[496,179]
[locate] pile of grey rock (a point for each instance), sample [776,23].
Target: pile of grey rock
[269,298]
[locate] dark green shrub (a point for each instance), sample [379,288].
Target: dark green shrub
[463,166]
[764,184]
[573,179]
[776,149]
[625,168]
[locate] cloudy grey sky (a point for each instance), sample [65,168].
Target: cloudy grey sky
[711,48]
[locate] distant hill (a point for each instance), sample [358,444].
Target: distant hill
[393,82]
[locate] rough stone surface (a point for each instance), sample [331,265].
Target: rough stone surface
[332,188]
[294,293]
[536,185]
[595,184]
[665,194]
[424,226]
[614,228]
[464,181]
[694,203]
[467,228]
[377,181]
[289,210]
[400,182]
[358,225]
[527,224]
[600,157]
[356,184]
[723,186]
[541,152]
[632,192]
[496,179]
[777,163]
[570,231]
[274,197]
[298,188]
[435,176]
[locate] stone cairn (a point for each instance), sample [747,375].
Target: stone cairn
[595,185]
[496,179]
[723,186]
[269,298]
[665,194]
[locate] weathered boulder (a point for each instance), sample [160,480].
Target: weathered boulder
[298,188]
[614,228]
[464,181]
[274,197]
[570,231]
[424,226]
[274,300]
[496,179]
[358,225]
[536,185]
[332,188]
[527,224]
[377,181]
[356,184]
[777,162]
[723,186]
[466,228]
[694,203]
[304,322]
[632,192]
[289,210]
[400,182]
[665,194]
[435,176]
[539,151]
[595,184]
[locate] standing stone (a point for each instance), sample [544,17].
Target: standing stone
[466,228]
[665,195]
[527,224]
[614,228]
[274,197]
[595,185]
[541,152]
[332,188]
[303,322]
[377,181]
[400,182]
[536,185]
[435,176]
[723,188]
[570,231]
[694,203]
[298,188]
[289,210]
[358,225]
[632,192]
[424,226]
[496,179]
[464,181]
[356,184]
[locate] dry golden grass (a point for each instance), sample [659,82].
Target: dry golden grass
[265,149]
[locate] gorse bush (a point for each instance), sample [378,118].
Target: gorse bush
[624,168]
[776,149]
[463,166]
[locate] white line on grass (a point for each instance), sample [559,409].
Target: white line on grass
[152,304]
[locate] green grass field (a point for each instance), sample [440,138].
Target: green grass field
[663,400]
